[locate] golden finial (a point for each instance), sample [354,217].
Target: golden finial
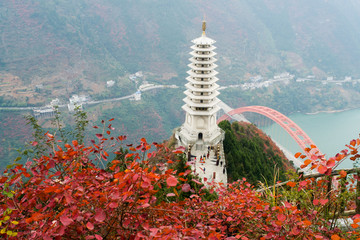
[204,27]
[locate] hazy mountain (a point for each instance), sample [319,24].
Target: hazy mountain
[97,40]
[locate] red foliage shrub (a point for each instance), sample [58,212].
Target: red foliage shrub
[66,195]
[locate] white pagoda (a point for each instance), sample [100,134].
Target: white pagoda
[201,100]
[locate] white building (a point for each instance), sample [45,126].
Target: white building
[201,100]
[110,83]
[76,101]
[55,102]
[137,96]
[139,74]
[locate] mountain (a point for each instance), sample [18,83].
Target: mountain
[50,41]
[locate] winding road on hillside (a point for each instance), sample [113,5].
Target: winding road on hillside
[142,88]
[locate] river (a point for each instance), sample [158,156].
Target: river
[329,131]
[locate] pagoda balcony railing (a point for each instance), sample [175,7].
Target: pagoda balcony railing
[208,112]
[205,96]
[209,61]
[196,89]
[200,48]
[200,55]
[202,66]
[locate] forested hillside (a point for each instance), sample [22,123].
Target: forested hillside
[252,155]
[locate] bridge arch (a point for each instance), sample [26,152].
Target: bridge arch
[300,137]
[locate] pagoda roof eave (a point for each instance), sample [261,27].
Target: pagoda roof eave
[202,75]
[203,40]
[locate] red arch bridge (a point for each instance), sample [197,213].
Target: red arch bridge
[300,137]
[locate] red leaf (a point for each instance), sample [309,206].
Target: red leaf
[353,142]
[111,119]
[128,155]
[50,189]
[291,184]
[65,220]
[330,163]
[297,155]
[98,237]
[196,181]
[295,231]
[281,217]
[170,195]
[3,179]
[303,183]
[90,226]
[354,225]
[34,143]
[171,181]
[37,216]
[100,215]
[322,169]
[99,135]
[323,201]
[177,152]
[342,173]
[316,202]
[335,237]
[145,205]
[113,205]
[185,187]
[307,162]
[307,222]
[49,135]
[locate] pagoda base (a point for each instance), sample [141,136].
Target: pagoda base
[186,138]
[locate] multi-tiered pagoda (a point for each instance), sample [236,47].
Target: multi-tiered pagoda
[201,96]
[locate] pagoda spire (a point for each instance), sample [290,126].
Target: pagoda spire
[203,27]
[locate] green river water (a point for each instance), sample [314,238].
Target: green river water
[329,131]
